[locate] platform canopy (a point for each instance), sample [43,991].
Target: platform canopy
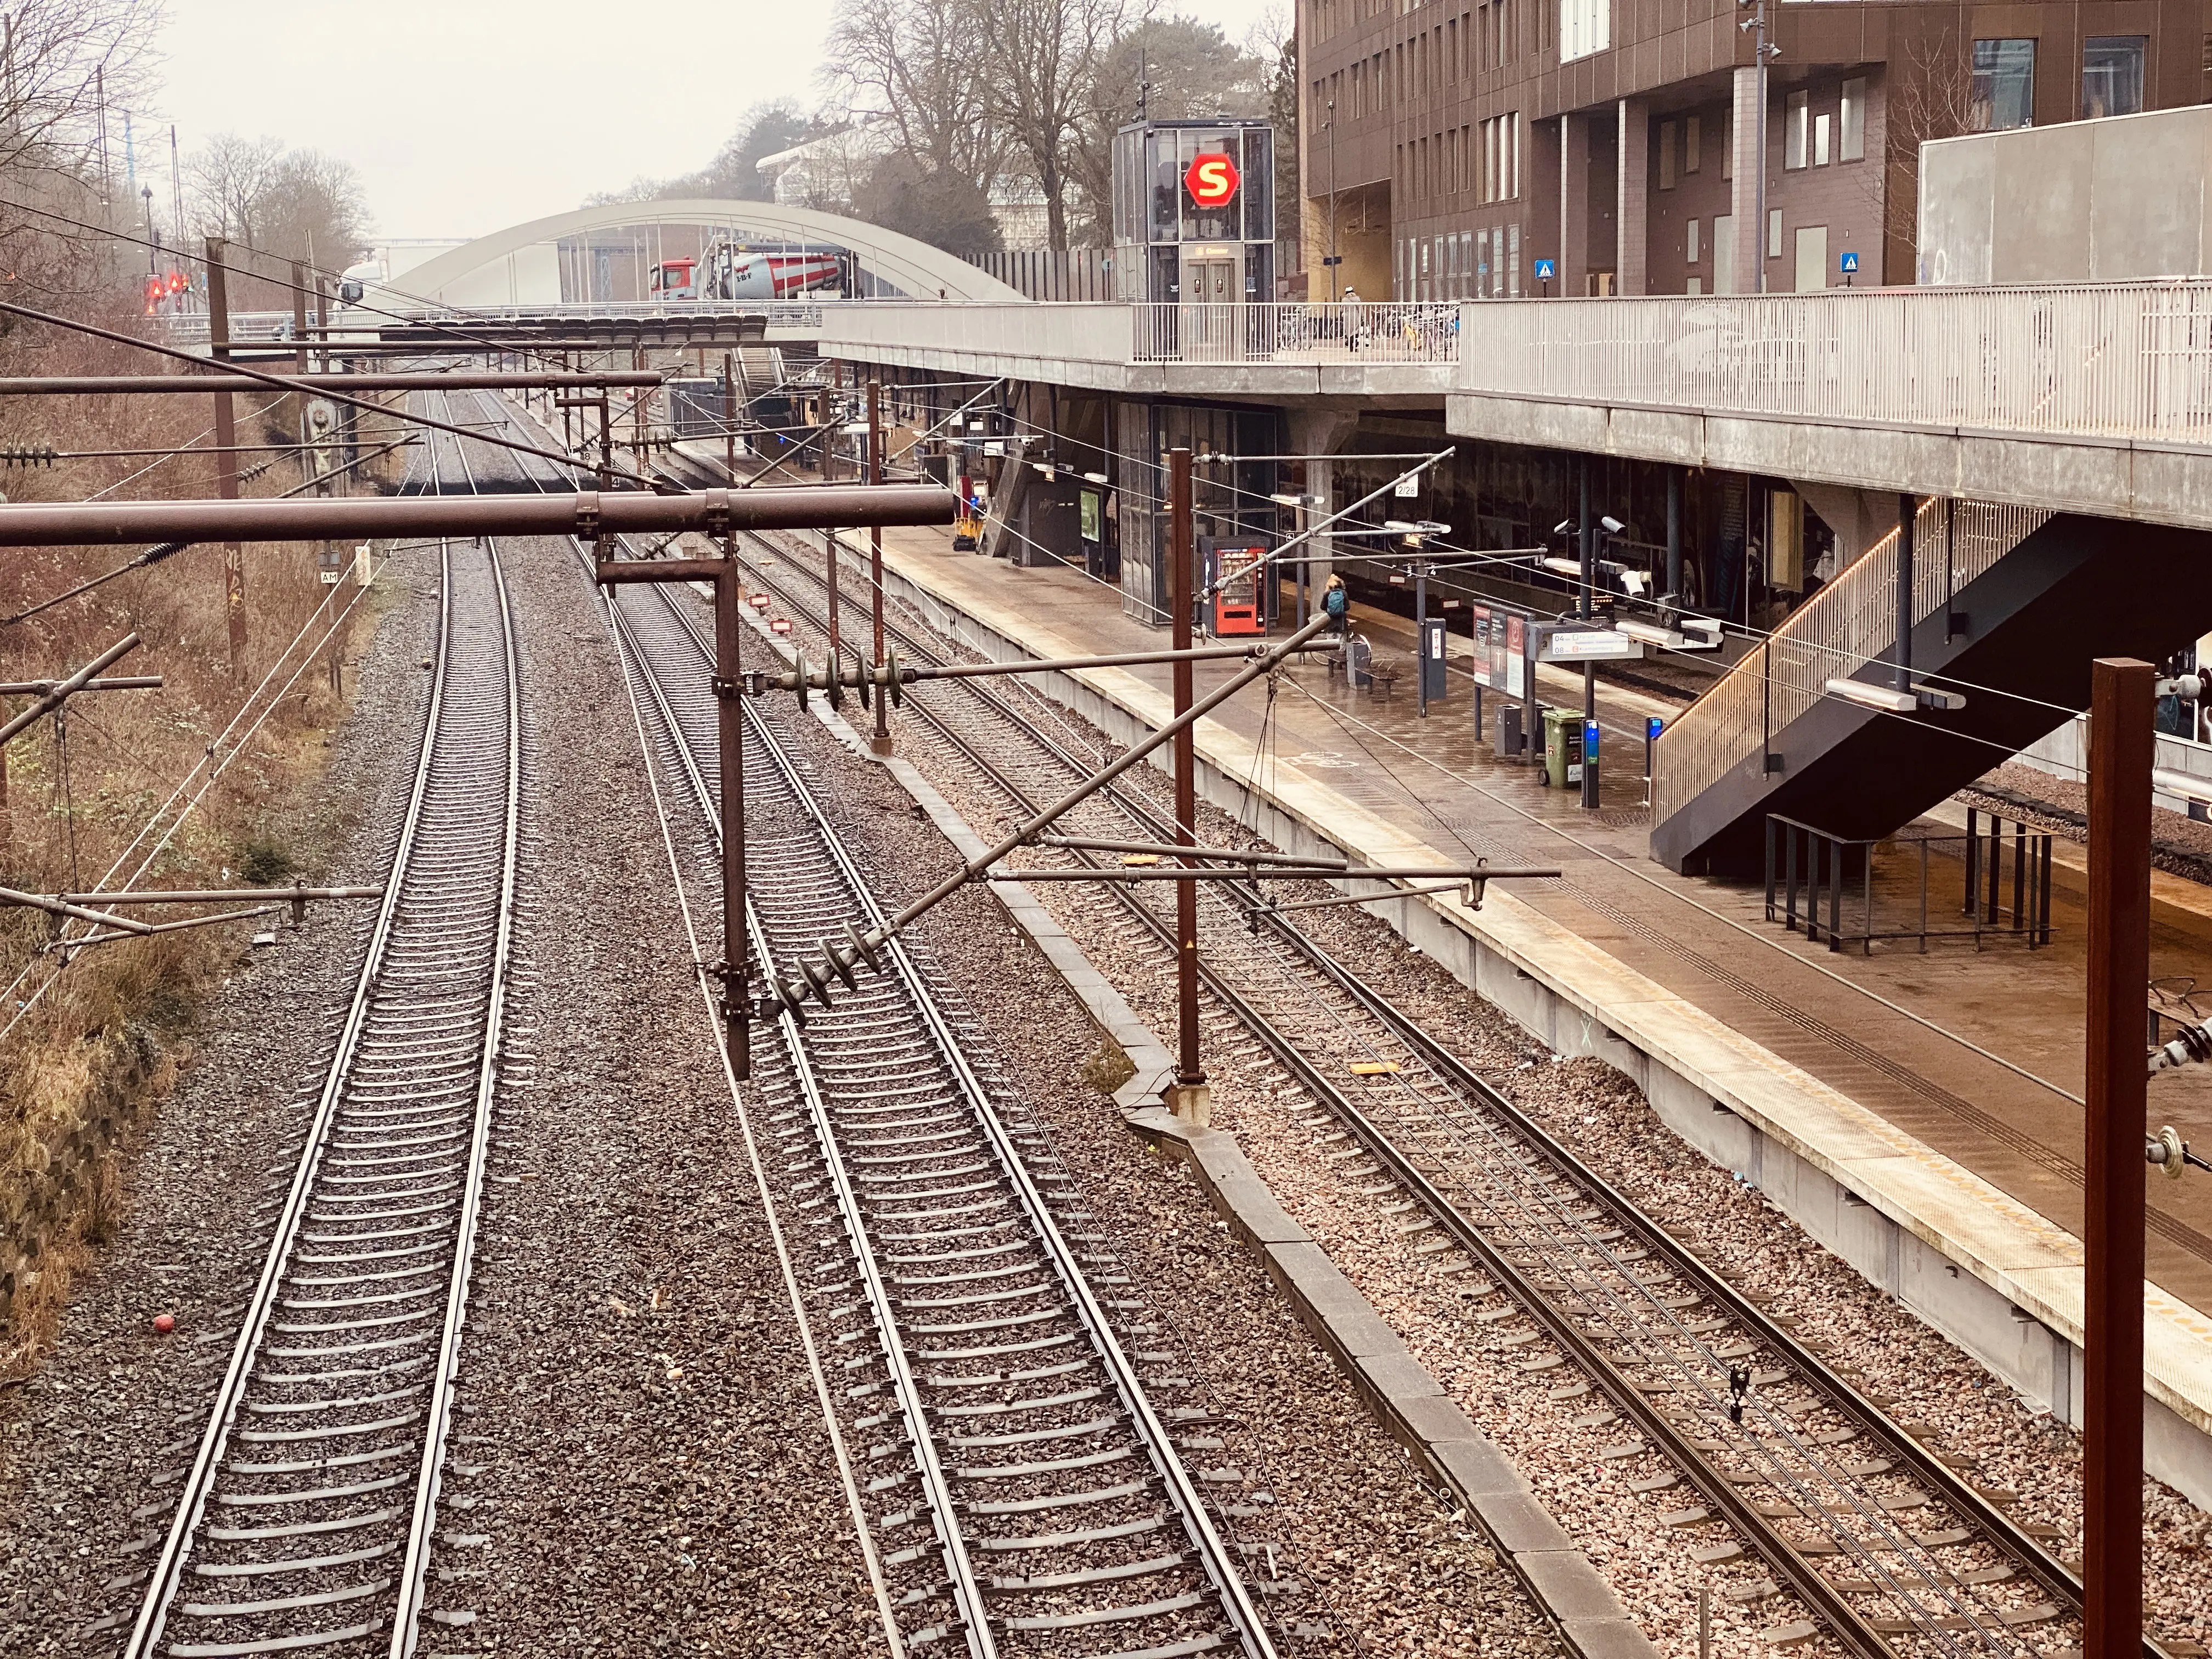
[603,253]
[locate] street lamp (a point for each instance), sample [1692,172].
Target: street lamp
[147,192]
[1762,53]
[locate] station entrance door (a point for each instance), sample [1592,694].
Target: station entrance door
[1212,308]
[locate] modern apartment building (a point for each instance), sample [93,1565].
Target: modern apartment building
[1450,146]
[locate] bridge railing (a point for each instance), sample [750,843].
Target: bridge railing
[1848,624]
[1165,332]
[2122,360]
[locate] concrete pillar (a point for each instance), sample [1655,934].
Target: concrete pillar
[1574,203]
[1748,142]
[1319,432]
[1631,197]
[1860,517]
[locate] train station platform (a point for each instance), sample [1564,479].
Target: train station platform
[1919,1113]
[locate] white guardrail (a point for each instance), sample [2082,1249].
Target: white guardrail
[2125,359]
[1115,332]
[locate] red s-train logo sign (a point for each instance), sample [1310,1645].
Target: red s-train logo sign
[1211,180]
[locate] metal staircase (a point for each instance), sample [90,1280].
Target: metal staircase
[2010,606]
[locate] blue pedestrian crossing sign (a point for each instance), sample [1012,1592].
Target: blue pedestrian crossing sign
[1546,270]
[1850,262]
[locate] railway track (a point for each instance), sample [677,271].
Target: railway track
[1859,1519]
[1024,1494]
[306,1517]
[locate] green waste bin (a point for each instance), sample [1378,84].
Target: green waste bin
[1563,748]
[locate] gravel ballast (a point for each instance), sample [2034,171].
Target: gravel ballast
[1376,1562]
[1974,1416]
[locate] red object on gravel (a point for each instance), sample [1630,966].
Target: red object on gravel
[164,1323]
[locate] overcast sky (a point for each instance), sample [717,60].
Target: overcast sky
[466,116]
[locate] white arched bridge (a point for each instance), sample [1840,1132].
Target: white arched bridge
[597,263]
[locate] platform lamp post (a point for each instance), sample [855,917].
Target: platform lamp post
[2122,741]
[1333,258]
[1188,1096]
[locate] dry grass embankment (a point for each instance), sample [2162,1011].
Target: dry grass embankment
[95,1044]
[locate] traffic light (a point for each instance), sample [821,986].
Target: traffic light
[154,292]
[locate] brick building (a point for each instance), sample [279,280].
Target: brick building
[1449,146]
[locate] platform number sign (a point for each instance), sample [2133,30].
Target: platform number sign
[1211,180]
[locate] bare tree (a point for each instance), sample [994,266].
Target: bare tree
[1273,43]
[227,179]
[276,205]
[923,66]
[1043,58]
[1928,94]
[63,65]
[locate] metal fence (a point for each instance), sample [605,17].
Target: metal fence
[1168,332]
[1273,333]
[1839,630]
[2125,359]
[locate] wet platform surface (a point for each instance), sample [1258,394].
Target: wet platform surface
[1975,1052]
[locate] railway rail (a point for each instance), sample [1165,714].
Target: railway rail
[306,1519]
[1865,1523]
[1025,1494]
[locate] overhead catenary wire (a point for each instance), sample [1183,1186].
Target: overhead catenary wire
[284,383]
[216,760]
[1449,550]
[478,342]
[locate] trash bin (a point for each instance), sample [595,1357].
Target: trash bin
[1510,743]
[1359,663]
[1563,748]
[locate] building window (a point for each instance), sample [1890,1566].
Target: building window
[1481,264]
[1512,262]
[2005,85]
[1820,139]
[1666,155]
[1690,135]
[1501,157]
[2112,74]
[1693,250]
[1585,27]
[1797,114]
[1851,146]
[1774,233]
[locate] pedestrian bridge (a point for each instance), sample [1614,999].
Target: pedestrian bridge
[2089,399]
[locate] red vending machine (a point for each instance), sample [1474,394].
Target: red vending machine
[1236,600]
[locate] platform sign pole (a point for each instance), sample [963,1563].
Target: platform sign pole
[1421,638]
[880,742]
[226,444]
[1188,1096]
[2122,738]
[1589,610]
[830,562]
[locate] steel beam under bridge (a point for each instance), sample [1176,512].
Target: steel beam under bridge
[586,515]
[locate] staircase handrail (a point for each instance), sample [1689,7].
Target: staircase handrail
[1848,624]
